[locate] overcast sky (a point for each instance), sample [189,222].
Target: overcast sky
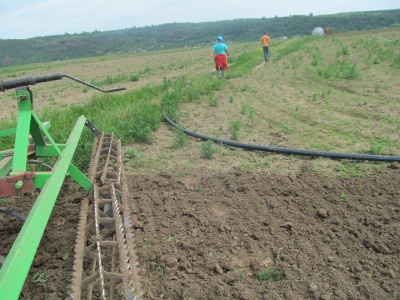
[21,19]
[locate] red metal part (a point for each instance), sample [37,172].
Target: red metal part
[32,151]
[7,184]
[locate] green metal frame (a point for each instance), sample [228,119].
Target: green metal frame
[18,262]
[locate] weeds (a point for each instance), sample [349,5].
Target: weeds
[208,149]
[134,156]
[134,77]
[111,80]
[212,101]
[376,148]
[161,269]
[144,243]
[251,114]
[348,168]
[270,273]
[180,138]
[4,201]
[287,128]
[396,62]
[345,51]
[245,88]
[244,109]
[234,127]
[39,279]
[343,69]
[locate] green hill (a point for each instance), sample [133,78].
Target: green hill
[176,35]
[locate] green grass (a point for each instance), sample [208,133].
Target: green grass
[333,110]
[134,156]
[270,273]
[234,127]
[180,138]
[208,149]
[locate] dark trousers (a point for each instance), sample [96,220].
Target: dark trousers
[266,52]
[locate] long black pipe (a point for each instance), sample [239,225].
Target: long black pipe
[286,150]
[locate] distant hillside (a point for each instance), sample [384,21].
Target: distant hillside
[176,35]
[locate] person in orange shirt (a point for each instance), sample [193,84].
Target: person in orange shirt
[265,40]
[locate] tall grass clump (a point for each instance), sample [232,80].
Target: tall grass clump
[7,142]
[343,69]
[291,46]
[234,127]
[209,85]
[244,64]
[112,80]
[208,149]
[270,273]
[348,70]
[131,116]
[377,147]
[212,100]
[180,138]
[316,58]
[138,124]
[396,62]
[327,72]
[134,156]
[134,77]
[170,103]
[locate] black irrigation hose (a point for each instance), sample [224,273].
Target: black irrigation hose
[287,150]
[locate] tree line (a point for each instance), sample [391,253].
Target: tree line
[177,35]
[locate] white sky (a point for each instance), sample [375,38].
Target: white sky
[21,19]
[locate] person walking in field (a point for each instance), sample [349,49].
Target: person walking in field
[220,52]
[265,40]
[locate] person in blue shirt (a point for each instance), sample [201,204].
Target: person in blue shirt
[220,52]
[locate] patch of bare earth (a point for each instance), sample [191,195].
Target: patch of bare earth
[206,235]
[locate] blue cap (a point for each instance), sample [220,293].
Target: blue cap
[219,38]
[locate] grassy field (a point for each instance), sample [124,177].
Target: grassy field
[336,93]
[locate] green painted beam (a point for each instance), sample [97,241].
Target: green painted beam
[22,132]
[80,178]
[49,150]
[21,142]
[36,133]
[47,134]
[18,262]
[41,178]
[8,132]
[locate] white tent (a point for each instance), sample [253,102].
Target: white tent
[318,31]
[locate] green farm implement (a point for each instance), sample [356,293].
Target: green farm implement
[105,264]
